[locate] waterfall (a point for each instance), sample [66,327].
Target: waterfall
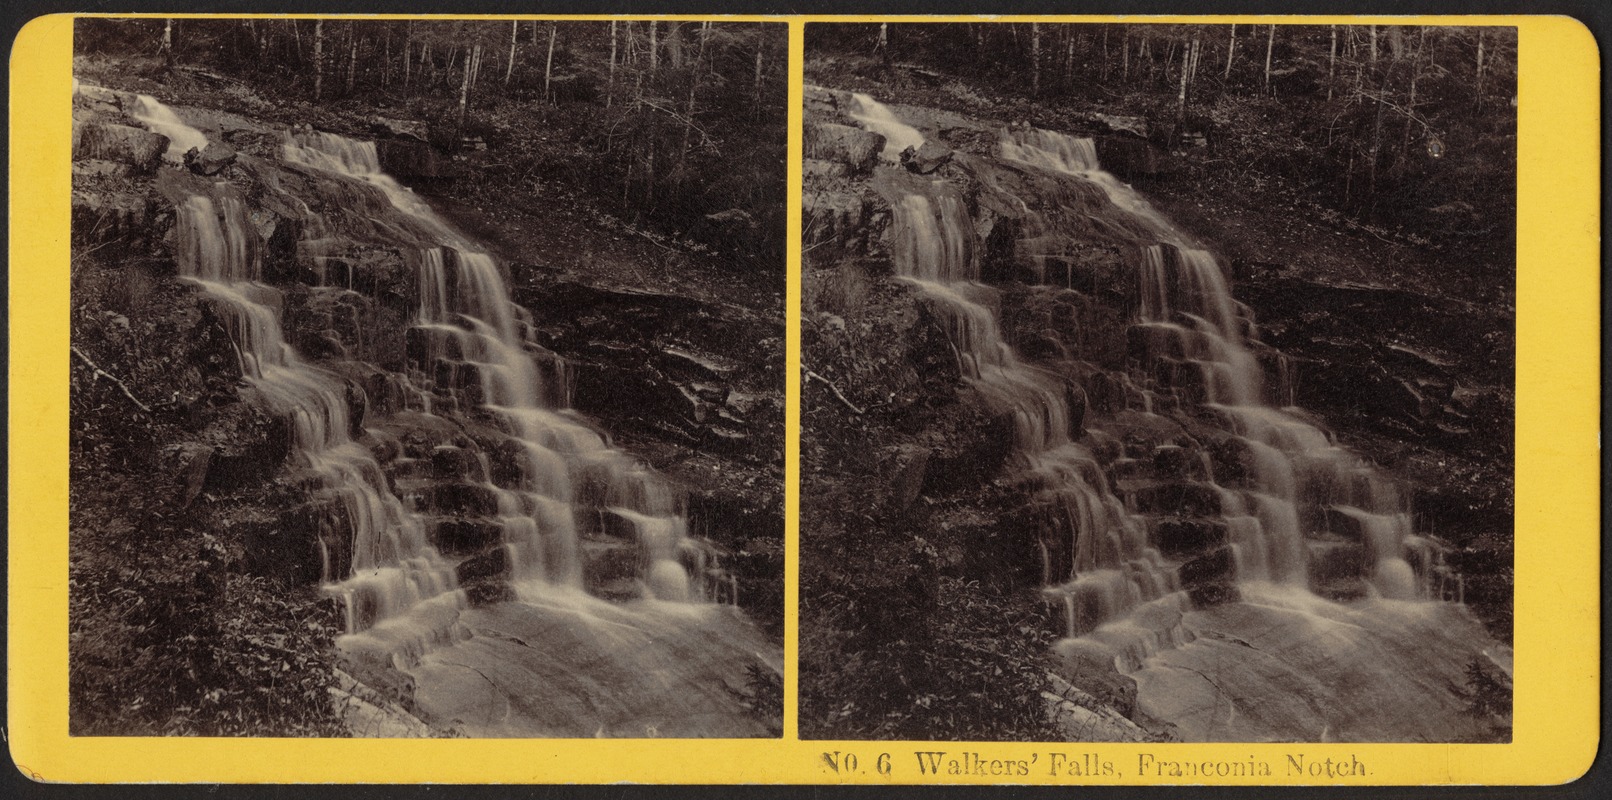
[472,354]
[1186,301]
[1110,566]
[159,118]
[876,117]
[1135,534]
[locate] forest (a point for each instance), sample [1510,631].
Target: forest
[677,125]
[1005,443]
[1410,131]
[502,307]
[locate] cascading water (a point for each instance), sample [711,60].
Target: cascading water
[558,494]
[1187,311]
[159,118]
[877,117]
[1138,555]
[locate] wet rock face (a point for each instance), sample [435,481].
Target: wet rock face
[857,149]
[140,149]
[209,161]
[926,159]
[658,363]
[411,158]
[1132,158]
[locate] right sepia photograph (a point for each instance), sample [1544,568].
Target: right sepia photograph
[1158,382]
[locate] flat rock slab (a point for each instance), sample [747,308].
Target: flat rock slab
[1285,665]
[561,664]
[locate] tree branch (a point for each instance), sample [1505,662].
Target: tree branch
[101,373]
[835,389]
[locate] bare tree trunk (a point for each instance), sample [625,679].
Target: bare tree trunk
[1270,45]
[674,44]
[1410,103]
[1126,74]
[1181,98]
[1035,58]
[1374,44]
[758,71]
[464,87]
[1480,70]
[1069,59]
[610,88]
[1376,142]
[408,43]
[1197,55]
[1231,50]
[548,63]
[514,33]
[1102,72]
[693,89]
[1332,62]
[654,48]
[166,48]
[318,58]
[352,55]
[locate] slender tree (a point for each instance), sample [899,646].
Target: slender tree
[514,33]
[408,44]
[674,43]
[464,86]
[1231,50]
[166,48]
[654,49]
[1332,62]
[1181,98]
[1125,72]
[1270,45]
[760,48]
[548,63]
[352,55]
[318,58]
[610,86]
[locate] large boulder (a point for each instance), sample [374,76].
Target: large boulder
[406,158]
[834,218]
[853,147]
[400,128]
[210,160]
[925,159]
[101,216]
[1131,158]
[111,142]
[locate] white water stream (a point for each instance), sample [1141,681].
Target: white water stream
[401,594]
[1303,502]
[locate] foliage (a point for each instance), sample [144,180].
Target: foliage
[168,634]
[1488,697]
[889,662]
[763,694]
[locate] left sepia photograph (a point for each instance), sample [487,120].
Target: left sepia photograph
[427,378]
